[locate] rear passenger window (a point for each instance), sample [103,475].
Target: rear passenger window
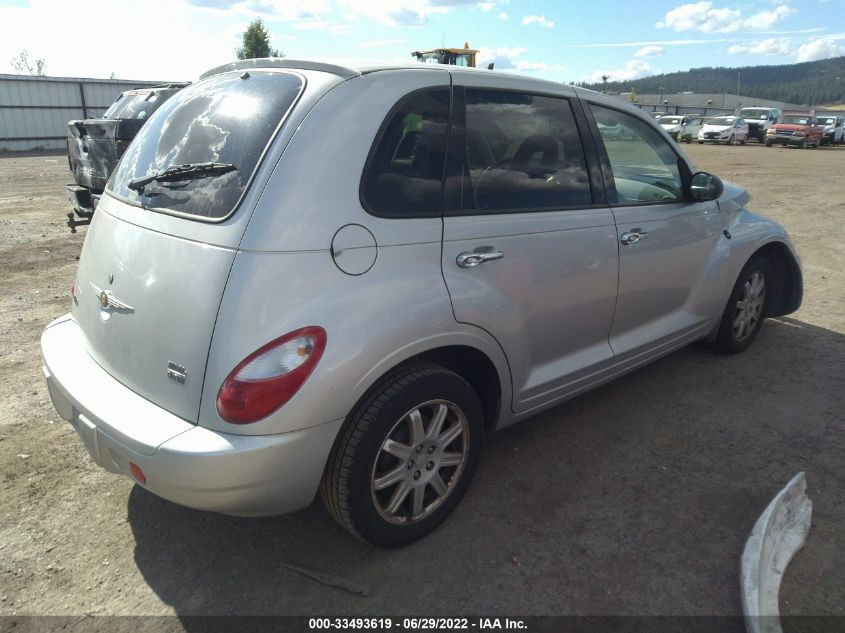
[404,175]
[522,153]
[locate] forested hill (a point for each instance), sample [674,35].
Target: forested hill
[810,83]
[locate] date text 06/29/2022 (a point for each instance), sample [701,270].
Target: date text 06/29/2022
[416,624]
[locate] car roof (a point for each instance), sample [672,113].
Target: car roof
[348,71]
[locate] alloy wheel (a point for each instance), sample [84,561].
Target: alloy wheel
[749,307]
[420,462]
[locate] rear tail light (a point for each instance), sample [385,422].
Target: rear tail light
[270,376]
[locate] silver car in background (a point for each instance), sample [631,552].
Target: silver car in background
[309,277]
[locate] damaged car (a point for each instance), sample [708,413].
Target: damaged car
[95,145]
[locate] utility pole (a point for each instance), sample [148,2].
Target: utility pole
[604,79]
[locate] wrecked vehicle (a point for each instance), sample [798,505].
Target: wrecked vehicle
[95,145]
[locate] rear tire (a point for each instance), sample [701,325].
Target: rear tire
[746,309]
[405,456]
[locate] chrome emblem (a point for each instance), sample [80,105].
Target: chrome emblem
[177,373]
[107,300]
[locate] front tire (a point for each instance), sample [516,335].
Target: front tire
[746,309]
[405,457]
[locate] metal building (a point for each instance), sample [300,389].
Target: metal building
[34,111]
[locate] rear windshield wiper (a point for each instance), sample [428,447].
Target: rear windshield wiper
[188,171]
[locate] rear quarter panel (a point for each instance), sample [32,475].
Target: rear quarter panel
[284,276]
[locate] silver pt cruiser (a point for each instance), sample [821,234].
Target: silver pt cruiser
[304,276]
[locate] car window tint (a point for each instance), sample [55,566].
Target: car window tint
[405,173]
[645,168]
[522,153]
[228,118]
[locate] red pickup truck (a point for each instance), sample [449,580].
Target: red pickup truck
[795,129]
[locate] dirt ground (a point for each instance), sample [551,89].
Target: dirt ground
[634,499]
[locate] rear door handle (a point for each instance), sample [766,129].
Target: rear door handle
[633,236]
[478,256]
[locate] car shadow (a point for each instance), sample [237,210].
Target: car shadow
[635,498]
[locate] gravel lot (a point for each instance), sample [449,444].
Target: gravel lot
[634,499]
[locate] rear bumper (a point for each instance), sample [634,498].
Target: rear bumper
[184,463]
[83,200]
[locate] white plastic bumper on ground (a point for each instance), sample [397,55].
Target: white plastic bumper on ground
[187,464]
[778,534]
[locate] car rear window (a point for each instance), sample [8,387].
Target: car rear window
[134,105]
[229,118]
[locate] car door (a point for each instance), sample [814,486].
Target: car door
[741,129]
[665,241]
[529,245]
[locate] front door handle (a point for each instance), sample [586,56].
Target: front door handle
[478,256]
[633,236]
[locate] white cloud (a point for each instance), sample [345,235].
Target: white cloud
[649,51]
[509,59]
[377,43]
[634,69]
[537,19]
[504,15]
[765,20]
[704,17]
[820,48]
[42,28]
[531,66]
[770,47]
[396,12]
[323,25]
[489,5]
[504,58]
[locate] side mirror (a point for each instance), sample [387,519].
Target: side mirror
[704,187]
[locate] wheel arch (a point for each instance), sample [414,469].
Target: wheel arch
[788,285]
[471,363]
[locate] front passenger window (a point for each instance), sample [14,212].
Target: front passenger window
[522,153]
[645,168]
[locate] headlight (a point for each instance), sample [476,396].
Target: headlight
[771,131]
[799,133]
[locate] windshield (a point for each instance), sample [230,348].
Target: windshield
[721,120]
[795,119]
[754,113]
[827,120]
[669,120]
[228,118]
[134,105]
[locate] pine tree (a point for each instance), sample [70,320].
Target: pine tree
[256,42]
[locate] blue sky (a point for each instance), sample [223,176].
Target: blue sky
[563,41]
